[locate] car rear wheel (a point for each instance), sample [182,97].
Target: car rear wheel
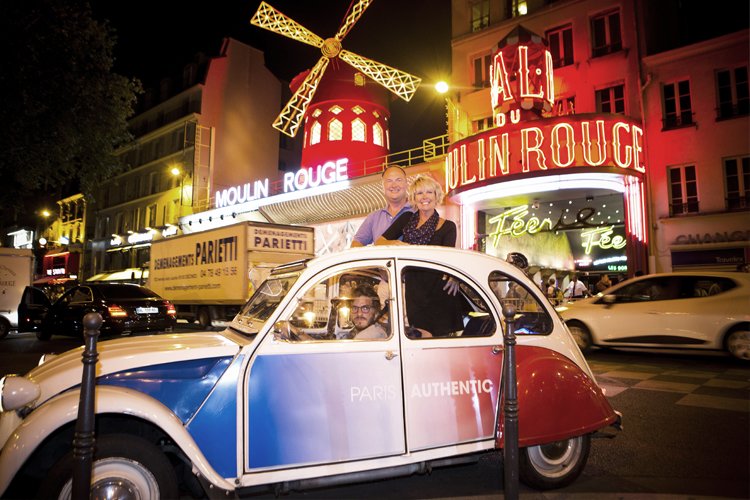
[123,467]
[554,465]
[581,335]
[737,342]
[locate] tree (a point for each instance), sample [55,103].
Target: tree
[63,111]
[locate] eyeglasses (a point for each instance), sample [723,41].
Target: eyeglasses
[364,309]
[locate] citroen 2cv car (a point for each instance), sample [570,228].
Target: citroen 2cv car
[255,406]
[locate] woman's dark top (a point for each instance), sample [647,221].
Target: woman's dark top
[428,306]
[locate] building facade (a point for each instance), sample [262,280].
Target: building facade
[204,131]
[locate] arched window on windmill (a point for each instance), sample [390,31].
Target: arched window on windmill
[377,134]
[315,132]
[359,130]
[335,130]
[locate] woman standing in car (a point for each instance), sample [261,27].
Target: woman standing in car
[430,295]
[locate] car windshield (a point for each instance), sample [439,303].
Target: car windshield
[263,302]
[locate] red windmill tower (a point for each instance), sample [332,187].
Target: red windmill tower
[345,114]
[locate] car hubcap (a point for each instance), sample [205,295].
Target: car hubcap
[118,478]
[738,344]
[555,459]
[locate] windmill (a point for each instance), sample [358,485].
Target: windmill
[400,83]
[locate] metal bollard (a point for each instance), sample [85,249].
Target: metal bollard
[83,439]
[510,408]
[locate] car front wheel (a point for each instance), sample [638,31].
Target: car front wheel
[123,467]
[554,465]
[581,335]
[738,342]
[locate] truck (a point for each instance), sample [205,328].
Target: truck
[209,275]
[16,273]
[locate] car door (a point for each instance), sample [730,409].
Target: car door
[32,310]
[651,311]
[451,378]
[66,314]
[327,398]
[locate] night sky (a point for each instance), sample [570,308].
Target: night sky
[156,38]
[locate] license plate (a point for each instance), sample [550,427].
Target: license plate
[146,310]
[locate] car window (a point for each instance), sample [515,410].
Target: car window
[266,298]
[651,289]
[531,316]
[353,304]
[431,311]
[125,292]
[706,286]
[81,294]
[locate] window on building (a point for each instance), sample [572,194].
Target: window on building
[678,110]
[315,132]
[377,134]
[482,124]
[359,130]
[519,8]
[565,105]
[737,182]
[480,14]
[561,45]
[606,36]
[732,92]
[683,190]
[151,216]
[611,99]
[482,71]
[336,109]
[335,130]
[358,110]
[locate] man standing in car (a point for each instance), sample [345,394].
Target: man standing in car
[394,189]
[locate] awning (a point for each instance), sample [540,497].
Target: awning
[134,274]
[52,280]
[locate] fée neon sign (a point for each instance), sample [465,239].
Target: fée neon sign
[513,223]
[307,177]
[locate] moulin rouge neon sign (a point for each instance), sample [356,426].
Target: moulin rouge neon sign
[513,223]
[522,90]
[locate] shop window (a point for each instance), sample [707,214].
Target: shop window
[480,14]
[377,134]
[606,36]
[359,130]
[611,99]
[676,104]
[683,190]
[732,92]
[335,130]
[482,71]
[737,182]
[561,45]
[315,131]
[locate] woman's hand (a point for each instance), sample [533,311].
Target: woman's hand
[451,286]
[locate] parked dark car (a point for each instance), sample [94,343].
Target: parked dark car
[125,309]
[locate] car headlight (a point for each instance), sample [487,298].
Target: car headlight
[561,309]
[17,392]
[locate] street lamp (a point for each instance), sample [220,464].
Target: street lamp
[457,119]
[186,197]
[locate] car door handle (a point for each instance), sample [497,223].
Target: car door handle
[496,349]
[389,355]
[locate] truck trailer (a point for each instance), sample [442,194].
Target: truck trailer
[210,274]
[16,273]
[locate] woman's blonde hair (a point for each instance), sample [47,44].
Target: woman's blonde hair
[425,181]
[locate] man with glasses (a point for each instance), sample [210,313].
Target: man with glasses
[365,311]
[394,190]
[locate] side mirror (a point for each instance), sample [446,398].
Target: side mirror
[609,300]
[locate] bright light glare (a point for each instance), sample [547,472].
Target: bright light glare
[441,87]
[175,171]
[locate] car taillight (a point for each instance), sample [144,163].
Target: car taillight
[171,311]
[116,311]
